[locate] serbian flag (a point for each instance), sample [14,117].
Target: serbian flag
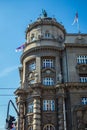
[75,19]
[20,48]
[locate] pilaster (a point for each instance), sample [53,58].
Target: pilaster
[37,114]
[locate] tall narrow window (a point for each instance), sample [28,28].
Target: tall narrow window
[30,107]
[48,105]
[32,65]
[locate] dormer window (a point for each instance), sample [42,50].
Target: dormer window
[47,34]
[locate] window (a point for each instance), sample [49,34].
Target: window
[32,37]
[48,63]
[32,81]
[47,34]
[32,65]
[30,107]
[48,81]
[82,59]
[83,79]
[48,105]
[84,100]
[30,128]
[49,127]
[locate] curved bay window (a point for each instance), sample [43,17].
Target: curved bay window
[49,127]
[48,81]
[48,105]
[48,62]
[32,65]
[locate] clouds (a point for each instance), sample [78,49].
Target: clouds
[8,70]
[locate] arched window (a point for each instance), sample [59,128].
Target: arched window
[49,127]
[30,128]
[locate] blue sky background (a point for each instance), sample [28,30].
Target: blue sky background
[15,15]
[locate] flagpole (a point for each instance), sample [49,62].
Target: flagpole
[78,27]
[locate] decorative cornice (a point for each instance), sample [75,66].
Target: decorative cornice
[45,21]
[71,85]
[40,48]
[81,68]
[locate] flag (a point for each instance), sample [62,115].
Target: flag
[20,48]
[75,19]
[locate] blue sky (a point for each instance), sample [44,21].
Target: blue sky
[15,15]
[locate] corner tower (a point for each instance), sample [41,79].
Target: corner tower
[39,100]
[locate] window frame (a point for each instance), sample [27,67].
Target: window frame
[30,107]
[84,100]
[82,59]
[48,105]
[32,65]
[83,79]
[48,62]
[48,125]
[48,81]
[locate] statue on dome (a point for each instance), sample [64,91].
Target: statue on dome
[44,13]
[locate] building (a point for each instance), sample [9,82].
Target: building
[53,78]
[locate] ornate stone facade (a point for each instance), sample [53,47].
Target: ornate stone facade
[53,87]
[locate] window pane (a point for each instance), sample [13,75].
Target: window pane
[32,66]
[83,79]
[30,107]
[48,81]
[48,105]
[82,59]
[49,127]
[84,100]
[48,63]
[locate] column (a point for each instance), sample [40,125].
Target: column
[38,68]
[37,114]
[21,111]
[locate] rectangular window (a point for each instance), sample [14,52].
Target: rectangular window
[83,79]
[48,81]
[84,100]
[82,59]
[48,105]
[48,63]
[30,107]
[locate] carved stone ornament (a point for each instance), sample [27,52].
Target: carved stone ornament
[82,69]
[80,39]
